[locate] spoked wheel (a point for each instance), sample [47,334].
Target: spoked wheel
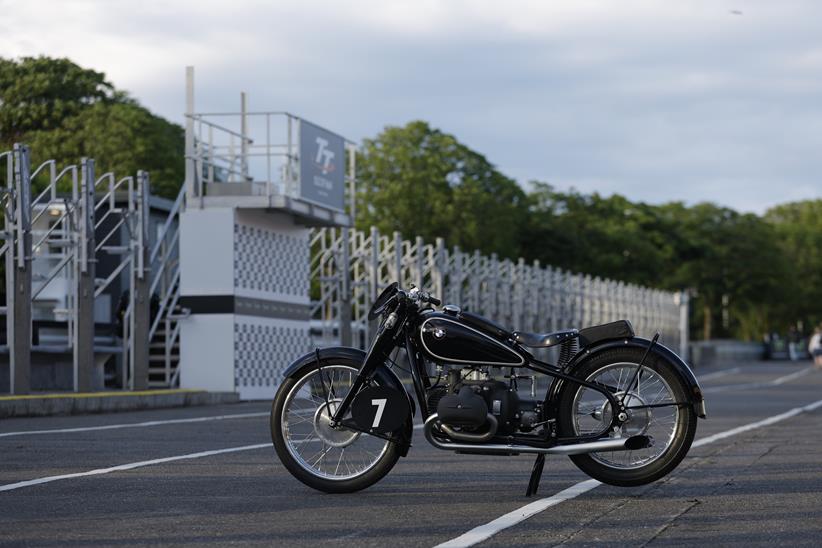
[651,408]
[334,460]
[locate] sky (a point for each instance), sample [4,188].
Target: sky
[715,100]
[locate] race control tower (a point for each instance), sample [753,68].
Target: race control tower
[256,182]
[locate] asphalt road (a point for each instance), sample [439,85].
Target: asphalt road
[755,486]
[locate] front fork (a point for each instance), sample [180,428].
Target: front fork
[380,349]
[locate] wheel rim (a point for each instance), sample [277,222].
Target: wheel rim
[333,454]
[593,413]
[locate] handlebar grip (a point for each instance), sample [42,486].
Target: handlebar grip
[435,301]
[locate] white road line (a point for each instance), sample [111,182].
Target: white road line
[486,531]
[134,424]
[759,424]
[130,466]
[718,374]
[483,532]
[792,376]
[776,382]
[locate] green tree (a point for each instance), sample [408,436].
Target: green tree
[798,226]
[732,261]
[736,266]
[607,237]
[123,138]
[423,182]
[39,93]
[65,112]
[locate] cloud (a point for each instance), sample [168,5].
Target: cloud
[655,100]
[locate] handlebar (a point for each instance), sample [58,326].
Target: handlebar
[423,297]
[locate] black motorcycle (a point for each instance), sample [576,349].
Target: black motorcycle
[623,408]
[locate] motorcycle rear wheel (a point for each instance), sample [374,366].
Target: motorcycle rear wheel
[330,460]
[584,411]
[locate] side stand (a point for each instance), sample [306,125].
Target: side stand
[536,475]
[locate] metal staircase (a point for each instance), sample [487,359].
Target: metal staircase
[55,244]
[164,349]
[164,331]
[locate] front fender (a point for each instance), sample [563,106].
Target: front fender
[684,372]
[384,375]
[345,352]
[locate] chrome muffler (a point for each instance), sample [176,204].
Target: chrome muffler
[599,446]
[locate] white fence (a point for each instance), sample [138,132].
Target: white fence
[349,267]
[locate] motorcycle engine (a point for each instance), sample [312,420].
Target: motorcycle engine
[471,394]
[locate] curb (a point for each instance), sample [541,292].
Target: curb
[41,405]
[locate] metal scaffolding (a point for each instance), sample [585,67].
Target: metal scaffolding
[85,217]
[349,268]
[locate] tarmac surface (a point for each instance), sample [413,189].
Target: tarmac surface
[753,477]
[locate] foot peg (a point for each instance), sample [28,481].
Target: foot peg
[536,475]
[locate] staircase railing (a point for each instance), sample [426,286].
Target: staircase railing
[164,266]
[53,242]
[223,151]
[120,221]
[7,205]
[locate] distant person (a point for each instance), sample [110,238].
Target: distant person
[793,343]
[815,346]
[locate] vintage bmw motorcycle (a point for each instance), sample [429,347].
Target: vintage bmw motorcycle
[623,408]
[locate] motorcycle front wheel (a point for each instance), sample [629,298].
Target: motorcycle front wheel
[652,411]
[334,460]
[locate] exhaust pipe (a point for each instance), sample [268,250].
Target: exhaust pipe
[470,437]
[599,446]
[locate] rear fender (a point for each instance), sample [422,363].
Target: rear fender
[676,363]
[384,376]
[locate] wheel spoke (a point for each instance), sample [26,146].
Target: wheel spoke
[342,453]
[323,453]
[645,415]
[337,468]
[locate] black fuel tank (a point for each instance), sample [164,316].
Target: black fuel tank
[447,339]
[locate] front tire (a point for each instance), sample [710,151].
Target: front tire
[584,411]
[326,459]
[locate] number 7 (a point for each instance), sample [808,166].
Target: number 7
[380,403]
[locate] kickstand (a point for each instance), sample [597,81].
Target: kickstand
[536,475]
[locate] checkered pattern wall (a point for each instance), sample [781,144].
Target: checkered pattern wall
[263,348]
[271,261]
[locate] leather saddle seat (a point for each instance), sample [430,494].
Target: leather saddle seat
[544,340]
[620,329]
[587,336]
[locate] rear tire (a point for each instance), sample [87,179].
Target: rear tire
[582,411]
[300,403]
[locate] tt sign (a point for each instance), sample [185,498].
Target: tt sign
[322,166]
